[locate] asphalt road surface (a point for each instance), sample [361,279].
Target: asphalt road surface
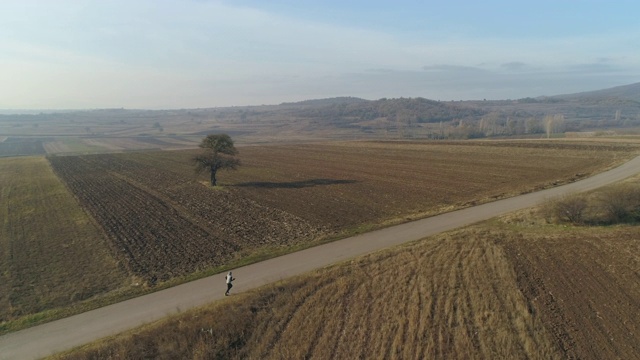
[64,334]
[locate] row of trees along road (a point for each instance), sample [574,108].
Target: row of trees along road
[218,154]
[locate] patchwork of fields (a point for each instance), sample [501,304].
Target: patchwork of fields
[154,221]
[163,225]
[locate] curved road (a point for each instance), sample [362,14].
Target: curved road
[60,335]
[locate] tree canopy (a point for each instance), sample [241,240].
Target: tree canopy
[218,154]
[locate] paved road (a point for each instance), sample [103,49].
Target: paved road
[56,336]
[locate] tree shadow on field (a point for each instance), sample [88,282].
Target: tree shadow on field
[294,184]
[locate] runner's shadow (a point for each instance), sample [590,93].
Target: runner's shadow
[294,184]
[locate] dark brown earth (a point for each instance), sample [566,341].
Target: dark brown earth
[585,285]
[162,226]
[162,222]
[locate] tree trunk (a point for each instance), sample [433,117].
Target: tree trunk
[213,177]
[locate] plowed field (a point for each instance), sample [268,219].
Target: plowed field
[165,226]
[344,186]
[585,285]
[491,291]
[164,223]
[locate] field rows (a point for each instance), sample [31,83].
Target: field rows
[150,218]
[345,184]
[243,222]
[587,287]
[454,296]
[164,223]
[504,289]
[46,240]
[163,226]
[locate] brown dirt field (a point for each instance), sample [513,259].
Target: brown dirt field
[107,145]
[163,223]
[127,143]
[585,286]
[164,226]
[346,185]
[453,296]
[514,290]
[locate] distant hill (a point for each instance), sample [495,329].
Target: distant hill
[341,118]
[625,93]
[418,110]
[328,101]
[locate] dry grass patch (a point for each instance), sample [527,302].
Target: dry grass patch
[51,253]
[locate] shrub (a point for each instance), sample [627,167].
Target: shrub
[619,203]
[567,208]
[611,205]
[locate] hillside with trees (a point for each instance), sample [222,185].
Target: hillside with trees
[341,118]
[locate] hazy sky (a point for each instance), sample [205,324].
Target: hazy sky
[159,54]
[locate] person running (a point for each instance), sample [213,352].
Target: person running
[229,279]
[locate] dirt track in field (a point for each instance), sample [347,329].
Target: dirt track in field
[80,329]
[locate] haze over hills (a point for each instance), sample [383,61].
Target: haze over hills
[339,118]
[627,92]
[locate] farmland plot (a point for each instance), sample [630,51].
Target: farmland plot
[51,253]
[452,296]
[585,285]
[164,225]
[21,147]
[346,185]
[126,143]
[355,186]
[496,290]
